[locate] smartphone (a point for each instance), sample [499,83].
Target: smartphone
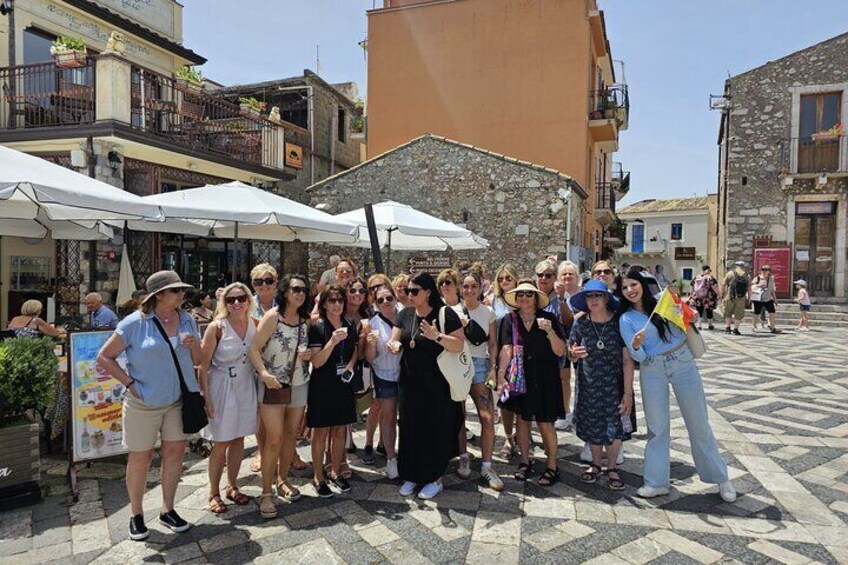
[347,376]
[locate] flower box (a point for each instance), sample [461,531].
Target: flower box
[248,110]
[823,136]
[71,59]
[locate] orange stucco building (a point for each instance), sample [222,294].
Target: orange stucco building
[532,79]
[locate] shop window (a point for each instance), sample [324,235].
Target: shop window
[677,231]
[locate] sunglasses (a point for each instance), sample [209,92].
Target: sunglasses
[766,269]
[469,286]
[446,282]
[593,295]
[545,275]
[241,298]
[603,271]
[266,281]
[177,290]
[298,289]
[346,272]
[505,279]
[384,299]
[525,294]
[413,291]
[376,287]
[336,300]
[356,290]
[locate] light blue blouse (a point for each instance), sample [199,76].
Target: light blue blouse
[633,321]
[149,359]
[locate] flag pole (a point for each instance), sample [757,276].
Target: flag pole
[654,311]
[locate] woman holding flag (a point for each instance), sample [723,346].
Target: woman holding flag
[660,348]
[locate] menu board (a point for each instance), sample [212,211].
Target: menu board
[780,261]
[96,398]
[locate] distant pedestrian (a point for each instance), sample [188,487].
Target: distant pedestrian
[100,317]
[704,296]
[328,277]
[735,290]
[763,292]
[803,301]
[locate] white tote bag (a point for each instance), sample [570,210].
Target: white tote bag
[457,368]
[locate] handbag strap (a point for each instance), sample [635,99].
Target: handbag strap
[514,317]
[294,356]
[183,386]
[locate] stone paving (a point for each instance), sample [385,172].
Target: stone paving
[778,409]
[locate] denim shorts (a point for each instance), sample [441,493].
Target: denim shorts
[805,307]
[383,388]
[481,370]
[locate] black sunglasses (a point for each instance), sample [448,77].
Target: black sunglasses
[545,275]
[470,286]
[446,282]
[177,290]
[266,281]
[384,299]
[376,287]
[298,289]
[591,295]
[356,291]
[505,279]
[524,294]
[413,291]
[233,299]
[603,271]
[335,300]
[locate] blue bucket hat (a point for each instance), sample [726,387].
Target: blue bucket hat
[578,301]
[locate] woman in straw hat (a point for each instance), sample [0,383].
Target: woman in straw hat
[540,335]
[153,405]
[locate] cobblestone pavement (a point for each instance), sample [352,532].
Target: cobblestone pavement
[777,409]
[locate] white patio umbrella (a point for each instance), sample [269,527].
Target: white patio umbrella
[126,281]
[37,190]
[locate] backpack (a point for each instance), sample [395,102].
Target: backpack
[740,284]
[701,285]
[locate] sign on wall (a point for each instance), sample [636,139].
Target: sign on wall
[96,399]
[432,265]
[780,261]
[684,253]
[157,15]
[294,155]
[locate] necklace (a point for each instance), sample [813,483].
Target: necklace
[600,343]
[415,328]
[161,317]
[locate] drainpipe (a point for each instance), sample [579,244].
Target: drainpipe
[310,125]
[568,226]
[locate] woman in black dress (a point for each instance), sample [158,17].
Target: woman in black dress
[330,407]
[429,420]
[540,335]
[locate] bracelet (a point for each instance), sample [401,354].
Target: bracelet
[129,384]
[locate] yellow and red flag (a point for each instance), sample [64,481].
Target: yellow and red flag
[674,309]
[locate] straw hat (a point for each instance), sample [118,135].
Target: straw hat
[510,295]
[578,301]
[163,280]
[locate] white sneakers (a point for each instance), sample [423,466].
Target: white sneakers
[652,492]
[565,424]
[490,479]
[464,468]
[407,488]
[727,491]
[392,468]
[430,490]
[586,455]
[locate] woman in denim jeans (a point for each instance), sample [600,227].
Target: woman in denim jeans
[665,359]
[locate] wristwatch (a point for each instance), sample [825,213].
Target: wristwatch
[439,336]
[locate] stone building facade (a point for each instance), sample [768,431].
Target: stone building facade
[783,175]
[522,209]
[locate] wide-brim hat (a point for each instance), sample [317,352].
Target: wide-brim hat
[578,301]
[801,282]
[509,296]
[163,280]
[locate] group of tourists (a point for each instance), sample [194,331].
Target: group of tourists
[277,362]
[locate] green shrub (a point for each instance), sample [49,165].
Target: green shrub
[27,375]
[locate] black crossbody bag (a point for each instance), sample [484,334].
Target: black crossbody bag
[194,407]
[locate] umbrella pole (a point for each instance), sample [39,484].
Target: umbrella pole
[389,253]
[372,237]
[235,253]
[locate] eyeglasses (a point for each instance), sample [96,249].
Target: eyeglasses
[177,290]
[506,278]
[335,300]
[266,281]
[388,299]
[593,295]
[298,289]
[359,290]
[469,286]
[376,287]
[446,282]
[545,275]
[524,294]
[603,271]
[241,298]
[413,291]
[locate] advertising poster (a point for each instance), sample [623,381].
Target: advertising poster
[780,261]
[96,399]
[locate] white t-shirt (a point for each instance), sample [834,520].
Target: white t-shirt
[385,365]
[485,317]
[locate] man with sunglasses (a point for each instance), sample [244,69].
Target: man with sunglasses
[762,296]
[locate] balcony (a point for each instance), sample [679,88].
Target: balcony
[110,97]
[620,181]
[609,112]
[809,156]
[604,203]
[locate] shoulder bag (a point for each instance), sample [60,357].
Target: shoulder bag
[194,407]
[516,383]
[695,342]
[473,332]
[457,368]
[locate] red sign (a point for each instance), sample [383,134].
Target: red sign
[780,261]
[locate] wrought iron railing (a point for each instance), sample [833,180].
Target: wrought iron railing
[44,94]
[605,196]
[814,154]
[612,102]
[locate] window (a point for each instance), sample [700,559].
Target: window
[638,239]
[676,231]
[687,274]
[37,46]
[342,125]
[819,112]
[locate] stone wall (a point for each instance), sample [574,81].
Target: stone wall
[520,208]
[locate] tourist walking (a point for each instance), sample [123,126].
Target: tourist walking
[279,354]
[385,372]
[605,380]
[228,383]
[539,335]
[736,292]
[763,293]
[430,420]
[803,300]
[331,405]
[704,296]
[664,358]
[162,347]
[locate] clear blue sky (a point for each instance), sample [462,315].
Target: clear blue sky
[676,54]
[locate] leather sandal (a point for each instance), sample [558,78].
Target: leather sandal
[216,505]
[287,492]
[614,483]
[524,471]
[549,477]
[267,512]
[256,464]
[234,494]
[591,474]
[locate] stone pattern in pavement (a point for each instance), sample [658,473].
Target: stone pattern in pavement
[778,410]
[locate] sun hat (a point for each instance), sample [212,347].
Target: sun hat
[578,301]
[739,263]
[801,282]
[525,286]
[163,280]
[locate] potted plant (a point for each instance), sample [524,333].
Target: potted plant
[831,134]
[188,77]
[27,379]
[250,106]
[69,52]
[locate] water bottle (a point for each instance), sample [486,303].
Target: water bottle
[626,424]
